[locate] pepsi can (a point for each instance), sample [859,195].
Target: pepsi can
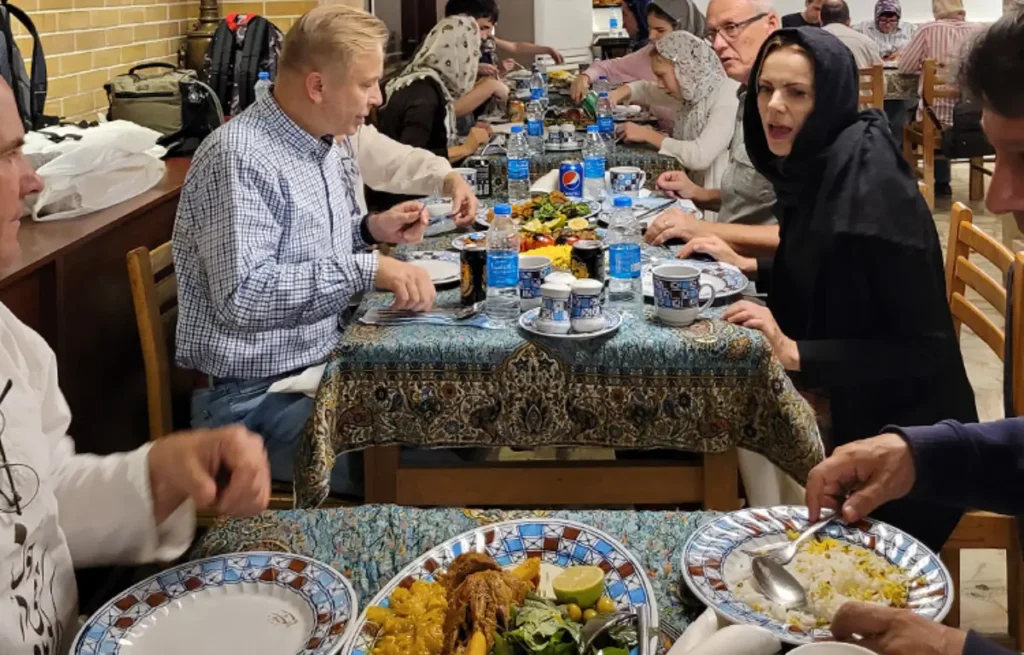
[570,178]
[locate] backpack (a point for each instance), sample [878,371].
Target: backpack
[153,101]
[965,138]
[29,90]
[242,46]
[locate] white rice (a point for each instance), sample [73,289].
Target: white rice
[833,573]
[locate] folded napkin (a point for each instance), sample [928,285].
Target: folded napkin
[711,635]
[306,382]
[546,184]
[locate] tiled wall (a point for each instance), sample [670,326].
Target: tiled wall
[89,41]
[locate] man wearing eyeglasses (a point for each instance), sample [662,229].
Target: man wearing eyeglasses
[59,510]
[746,223]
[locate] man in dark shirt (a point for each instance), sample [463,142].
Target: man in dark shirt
[978,466]
[810,16]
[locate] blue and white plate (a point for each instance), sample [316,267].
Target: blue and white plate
[727,280]
[255,603]
[483,217]
[556,542]
[612,322]
[713,556]
[479,239]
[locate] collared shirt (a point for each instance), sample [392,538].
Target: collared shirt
[266,247]
[944,41]
[865,51]
[889,43]
[747,196]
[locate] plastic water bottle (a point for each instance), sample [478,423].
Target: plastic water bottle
[538,87]
[502,305]
[602,85]
[605,121]
[535,127]
[625,292]
[595,159]
[263,85]
[518,166]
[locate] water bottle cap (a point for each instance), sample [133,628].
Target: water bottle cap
[614,22]
[264,75]
[603,77]
[516,129]
[503,210]
[603,94]
[623,201]
[593,129]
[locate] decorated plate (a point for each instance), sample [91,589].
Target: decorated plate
[483,218]
[713,563]
[441,265]
[479,239]
[556,542]
[250,603]
[727,280]
[612,322]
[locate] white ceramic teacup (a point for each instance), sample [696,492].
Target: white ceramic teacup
[439,208]
[469,175]
[554,309]
[626,180]
[677,290]
[532,271]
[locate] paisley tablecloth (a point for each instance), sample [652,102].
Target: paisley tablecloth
[901,86]
[705,388]
[370,544]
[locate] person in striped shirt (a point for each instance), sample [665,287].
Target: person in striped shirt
[943,40]
[887,29]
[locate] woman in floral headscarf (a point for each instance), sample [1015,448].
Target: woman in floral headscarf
[419,107]
[887,29]
[690,77]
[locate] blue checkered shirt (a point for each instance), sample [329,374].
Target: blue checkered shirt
[267,248]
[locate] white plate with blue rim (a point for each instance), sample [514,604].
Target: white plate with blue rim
[557,542]
[727,280]
[713,564]
[612,322]
[441,265]
[258,603]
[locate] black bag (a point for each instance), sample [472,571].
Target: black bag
[29,90]
[201,114]
[965,139]
[243,46]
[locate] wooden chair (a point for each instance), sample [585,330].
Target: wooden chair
[155,296]
[921,138]
[872,88]
[985,529]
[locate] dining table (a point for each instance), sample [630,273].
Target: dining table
[707,388]
[371,544]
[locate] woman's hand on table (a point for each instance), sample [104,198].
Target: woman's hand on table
[412,286]
[860,477]
[487,70]
[477,137]
[497,89]
[672,223]
[760,318]
[893,631]
[186,465]
[580,87]
[620,95]
[403,223]
[678,185]
[464,201]
[634,133]
[720,250]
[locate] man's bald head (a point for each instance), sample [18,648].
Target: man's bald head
[835,11]
[17,179]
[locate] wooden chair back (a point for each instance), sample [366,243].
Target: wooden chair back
[872,88]
[921,138]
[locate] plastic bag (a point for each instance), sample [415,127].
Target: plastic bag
[104,166]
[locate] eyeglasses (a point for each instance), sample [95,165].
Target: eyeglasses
[888,18]
[730,31]
[19,483]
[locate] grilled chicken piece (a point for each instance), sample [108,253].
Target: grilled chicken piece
[479,603]
[466,565]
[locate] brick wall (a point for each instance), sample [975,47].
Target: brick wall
[89,41]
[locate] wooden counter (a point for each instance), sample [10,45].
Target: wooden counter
[70,284]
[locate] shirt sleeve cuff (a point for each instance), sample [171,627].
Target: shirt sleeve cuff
[930,447]
[169,540]
[367,264]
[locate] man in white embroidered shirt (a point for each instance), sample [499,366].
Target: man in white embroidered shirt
[59,510]
[271,240]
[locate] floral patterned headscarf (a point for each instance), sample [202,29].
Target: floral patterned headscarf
[450,55]
[700,74]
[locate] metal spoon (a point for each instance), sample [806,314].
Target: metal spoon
[784,552]
[778,584]
[599,625]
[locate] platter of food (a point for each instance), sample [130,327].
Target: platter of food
[548,211]
[240,603]
[573,115]
[513,588]
[868,561]
[531,240]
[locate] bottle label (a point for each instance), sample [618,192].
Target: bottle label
[593,168]
[519,169]
[502,269]
[624,261]
[606,124]
[535,128]
[538,93]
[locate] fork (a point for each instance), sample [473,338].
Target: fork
[784,552]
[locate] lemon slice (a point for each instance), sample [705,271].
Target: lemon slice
[578,224]
[582,585]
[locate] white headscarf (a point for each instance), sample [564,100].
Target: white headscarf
[699,73]
[450,55]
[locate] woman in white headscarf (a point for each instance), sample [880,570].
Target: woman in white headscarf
[691,78]
[419,107]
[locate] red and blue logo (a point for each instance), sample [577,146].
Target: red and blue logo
[571,180]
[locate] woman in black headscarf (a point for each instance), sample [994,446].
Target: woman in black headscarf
[856,293]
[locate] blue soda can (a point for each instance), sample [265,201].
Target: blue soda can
[570,178]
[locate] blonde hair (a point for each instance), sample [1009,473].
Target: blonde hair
[330,36]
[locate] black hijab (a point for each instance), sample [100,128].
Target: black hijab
[845,168]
